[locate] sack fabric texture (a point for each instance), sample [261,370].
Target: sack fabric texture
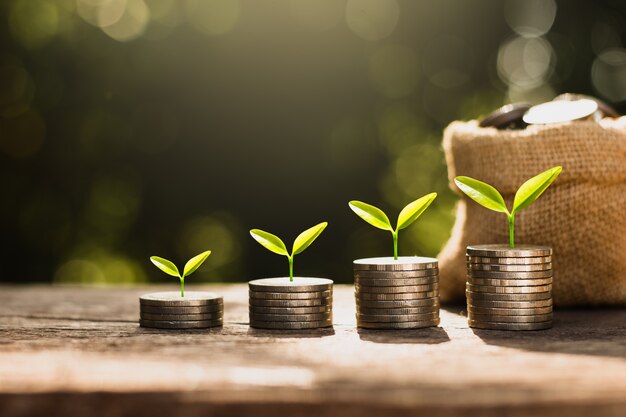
[582,215]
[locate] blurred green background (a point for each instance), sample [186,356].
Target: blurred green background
[131,128]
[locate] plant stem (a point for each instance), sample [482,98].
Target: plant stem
[512,231]
[290,268]
[182,287]
[395,245]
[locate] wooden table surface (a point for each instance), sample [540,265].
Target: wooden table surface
[79,352]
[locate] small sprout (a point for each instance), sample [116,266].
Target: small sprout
[489,197]
[377,218]
[190,267]
[274,244]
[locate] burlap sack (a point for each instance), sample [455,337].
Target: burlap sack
[582,216]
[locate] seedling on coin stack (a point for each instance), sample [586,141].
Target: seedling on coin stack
[399,292]
[290,303]
[509,287]
[171,310]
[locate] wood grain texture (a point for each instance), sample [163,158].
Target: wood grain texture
[78,352]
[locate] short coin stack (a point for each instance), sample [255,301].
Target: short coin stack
[278,303]
[168,310]
[509,289]
[396,294]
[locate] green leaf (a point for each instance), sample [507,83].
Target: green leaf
[271,242]
[483,194]
[195,262]
[307,237]
[534,187]
[372,215]
[413,210]
[166,266]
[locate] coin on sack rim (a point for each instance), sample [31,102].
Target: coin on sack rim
[510,326]
[472,296]
[510,304]
[508,290]
[510,311]
[173,299]
[325,301]
[403,263]
[603,107]
[290,325]
[289,310]
[181,317]
[420,273]
[289,295]
[510,319]
[509,115]
[504,251]
[397,290]
[531,260]
[405,325]
[510,268]
[509,275]
[560,111]
[291,317]
[396,318]
[182,325]
[401,282]
[366,296]
[397,311]
[283,284]
[181,310]
[422,302]
[509,282]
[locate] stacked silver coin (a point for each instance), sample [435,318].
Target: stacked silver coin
[509,289]
[278,303]
[168,310]
[396,294]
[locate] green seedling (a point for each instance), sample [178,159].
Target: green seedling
[274,244]
[377,218]
[190,267]
[487,196]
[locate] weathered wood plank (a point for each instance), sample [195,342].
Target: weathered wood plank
[74,351]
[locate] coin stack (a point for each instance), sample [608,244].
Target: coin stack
[168,310]
[509,289]
[279,303]
[396,294]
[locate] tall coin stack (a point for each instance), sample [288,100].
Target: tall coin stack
[278,303]
[509,289]
[396,294]
[168,310]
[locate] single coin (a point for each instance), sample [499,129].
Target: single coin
[508,261]
[508,290]
[424,302]
[397,290]
[560,111]
[396,318]
[510,326]
[173,299]
[507,117]
[509,275]
[181,310]
[365,296]
[401,282]
[509,304]
[509,319]
[419,273]
[504,251]
[283,284]
[199,324]
[289,295]
[485,296]
[397,311]
[509,282]
[325,301]
[291,317]
[405,325]
[510,268]
[181,317]
[290,310]
[510,311]
[603,107]
[403,263]
[290,325]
